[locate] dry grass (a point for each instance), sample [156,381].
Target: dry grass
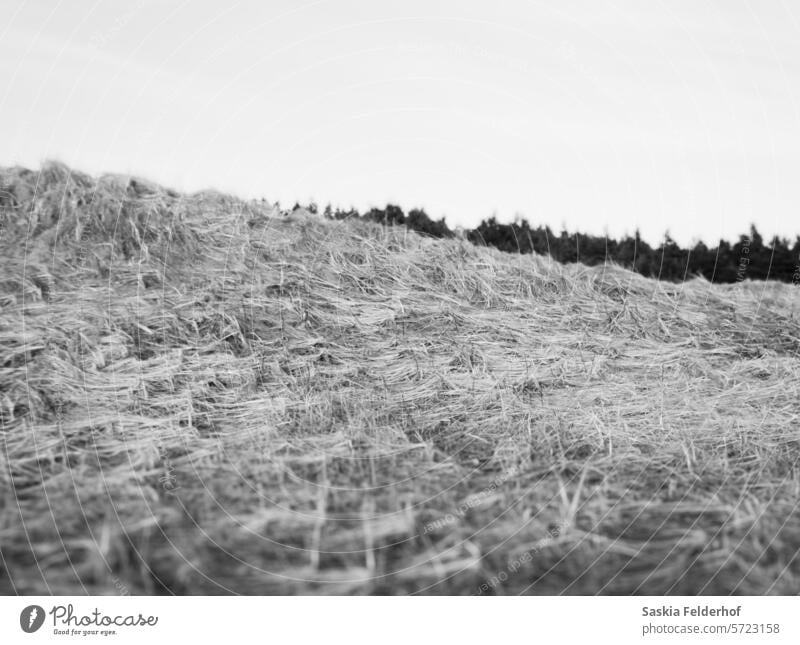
[198,396]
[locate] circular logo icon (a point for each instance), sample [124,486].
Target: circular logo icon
[31,618]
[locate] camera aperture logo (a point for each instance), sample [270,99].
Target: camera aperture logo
[66,622]
[31,618]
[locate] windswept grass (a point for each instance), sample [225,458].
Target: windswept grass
[199,396]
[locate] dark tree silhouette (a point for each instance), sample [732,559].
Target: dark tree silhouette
[748,258]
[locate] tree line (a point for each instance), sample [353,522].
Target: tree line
[750,257]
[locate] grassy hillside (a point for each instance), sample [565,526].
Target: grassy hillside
[198,396]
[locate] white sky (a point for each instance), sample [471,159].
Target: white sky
[597,115]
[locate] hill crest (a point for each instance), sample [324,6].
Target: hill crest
[200,395]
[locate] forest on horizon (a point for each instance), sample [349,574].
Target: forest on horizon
[750,257]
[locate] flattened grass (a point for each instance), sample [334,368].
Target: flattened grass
[200,396]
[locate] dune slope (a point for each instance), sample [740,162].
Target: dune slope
[199,396]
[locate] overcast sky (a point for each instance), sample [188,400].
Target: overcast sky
[679,116]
